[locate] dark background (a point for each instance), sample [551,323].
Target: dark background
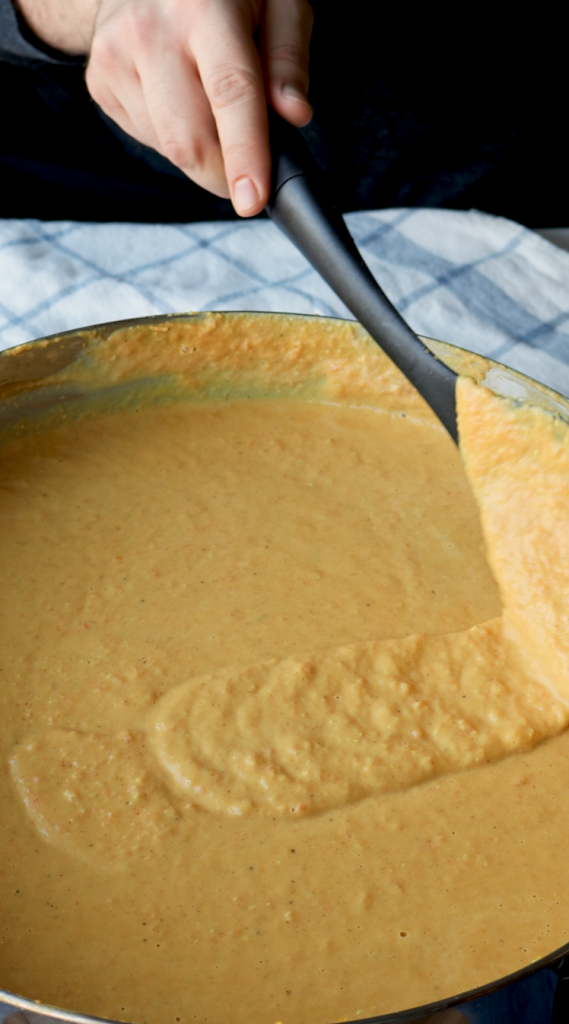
[410,110]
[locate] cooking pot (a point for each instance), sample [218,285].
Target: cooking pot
[539,993]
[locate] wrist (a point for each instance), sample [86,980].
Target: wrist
[61,25]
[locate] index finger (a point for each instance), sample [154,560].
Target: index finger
[230,70]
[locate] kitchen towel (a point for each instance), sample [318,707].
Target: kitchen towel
[482,282]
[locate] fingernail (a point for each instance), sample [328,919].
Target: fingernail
[245,195]
[292,92]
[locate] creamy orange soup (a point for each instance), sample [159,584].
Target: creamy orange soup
[277,743]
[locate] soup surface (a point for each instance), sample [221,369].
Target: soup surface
[272,751]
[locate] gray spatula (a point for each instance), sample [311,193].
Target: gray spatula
[303,206]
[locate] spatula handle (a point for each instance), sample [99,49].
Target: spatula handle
[302,204]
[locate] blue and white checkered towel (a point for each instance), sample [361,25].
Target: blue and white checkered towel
[482,282]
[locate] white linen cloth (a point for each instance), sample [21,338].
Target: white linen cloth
[479,281]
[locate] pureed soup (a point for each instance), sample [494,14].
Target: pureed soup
[272,749]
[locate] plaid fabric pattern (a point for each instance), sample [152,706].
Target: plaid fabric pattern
[482,282]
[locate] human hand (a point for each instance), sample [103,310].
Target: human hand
[187,78]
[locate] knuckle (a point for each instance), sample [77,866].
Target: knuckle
[229,85]
[298,14]
[97,82]
[288,53]
[177,151]
[103,56]
[133,26]
[190,155]
[139,26]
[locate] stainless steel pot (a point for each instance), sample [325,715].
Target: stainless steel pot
[29,386]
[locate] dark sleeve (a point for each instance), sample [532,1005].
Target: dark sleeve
[19,45]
